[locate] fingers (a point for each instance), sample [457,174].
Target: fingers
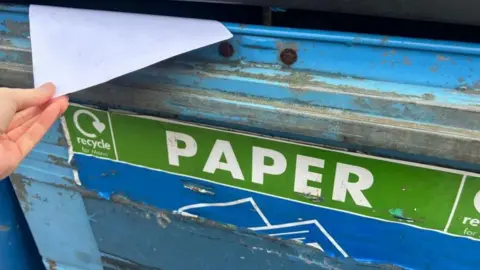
[16,133]
[37,130]
[26,115]
[23,116]
[24,98]
[7,111]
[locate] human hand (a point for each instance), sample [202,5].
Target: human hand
[25,117]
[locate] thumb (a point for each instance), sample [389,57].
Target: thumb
[25,98]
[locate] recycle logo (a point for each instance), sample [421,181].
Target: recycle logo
[96,123]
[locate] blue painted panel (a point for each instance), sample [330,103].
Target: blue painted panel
[422,62]
[268,88]
[180,243]
[362,238]
[54,211]
[61,226]
[344,71]
[17,247]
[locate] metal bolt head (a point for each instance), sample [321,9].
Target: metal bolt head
[288,56]
[225,49]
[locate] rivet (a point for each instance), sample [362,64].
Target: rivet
[288,56]
[225,49]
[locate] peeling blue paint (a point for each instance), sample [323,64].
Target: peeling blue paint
[363,239]
[340,72]
[17,247]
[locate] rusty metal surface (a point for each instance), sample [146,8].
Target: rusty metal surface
[209,246]
[132,235]
[247,84]
[297,120]
[407,99]
[53,206]
[17,247]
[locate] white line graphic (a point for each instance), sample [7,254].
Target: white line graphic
[268,225]
[315,245]
[202,205]
[307,222]
[289,233]
[113,136]
[457,199]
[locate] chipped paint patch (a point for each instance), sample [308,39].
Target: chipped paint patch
[199,189]
[442,58]
[51,264]
[19,185]
[117,263]
[163,220]
[62,141]
[400,215]
[428,96]
[104,195]
[313,198]
[17,28]
[59,161]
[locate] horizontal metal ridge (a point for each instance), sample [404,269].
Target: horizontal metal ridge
[318,125]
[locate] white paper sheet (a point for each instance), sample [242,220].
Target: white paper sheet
[77,49]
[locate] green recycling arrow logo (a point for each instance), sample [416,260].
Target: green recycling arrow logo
[96,123]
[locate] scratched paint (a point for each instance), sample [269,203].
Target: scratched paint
[336,58]
[17,247]
[204,159]
[434,101]
[92,133]
[271,167]
[432,115]
[400,101]
[361,238]
[216,246]
[44,174]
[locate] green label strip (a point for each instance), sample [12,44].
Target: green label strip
[419,195]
